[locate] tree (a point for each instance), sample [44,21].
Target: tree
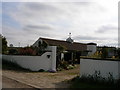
[12,51]
[27,51]
[0,43]
[118,53]
[104,52]
[42,45]
[60,49]
[4,44]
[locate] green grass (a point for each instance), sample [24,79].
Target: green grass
[89,83]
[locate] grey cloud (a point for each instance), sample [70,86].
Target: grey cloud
[79,37]
[39,30]
[12,33]
[107,28]
[98,40]
[39,13]
[82,3]
[112,44]
[30,15]
[41,7]
[33,27]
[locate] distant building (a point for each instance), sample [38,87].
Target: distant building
[111,51]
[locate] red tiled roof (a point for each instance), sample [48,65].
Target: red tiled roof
[69,46]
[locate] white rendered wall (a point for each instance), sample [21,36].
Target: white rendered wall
[53,63]
[62,56]
[91,48]
[89,66]
[49,48]
[34,63]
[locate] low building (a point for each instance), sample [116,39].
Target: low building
[72,50]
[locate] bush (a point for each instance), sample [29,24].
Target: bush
[104,52]
[27,51]
[13,51]
[62,65]
[95,81]
[118,53]
[4,44]
[41,70]
[85,82]
[70,67]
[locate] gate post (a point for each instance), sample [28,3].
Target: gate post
[53,62]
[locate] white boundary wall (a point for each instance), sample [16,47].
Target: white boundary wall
[89,66]
[35,63]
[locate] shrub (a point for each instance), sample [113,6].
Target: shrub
[104,52]
[70,67]
[27,51]
[4,44]
[41,70]
[94,81]
[118,53]
[62,65]
[13,51]
[42,45]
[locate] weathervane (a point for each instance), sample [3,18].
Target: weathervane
[70,35]
[69,39]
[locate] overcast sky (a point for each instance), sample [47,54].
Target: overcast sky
[88,21]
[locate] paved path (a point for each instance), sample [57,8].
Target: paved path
[42,79]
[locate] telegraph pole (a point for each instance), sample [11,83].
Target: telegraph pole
[19,44]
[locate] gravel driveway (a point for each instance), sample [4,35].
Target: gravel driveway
[10,83]
[43,79]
